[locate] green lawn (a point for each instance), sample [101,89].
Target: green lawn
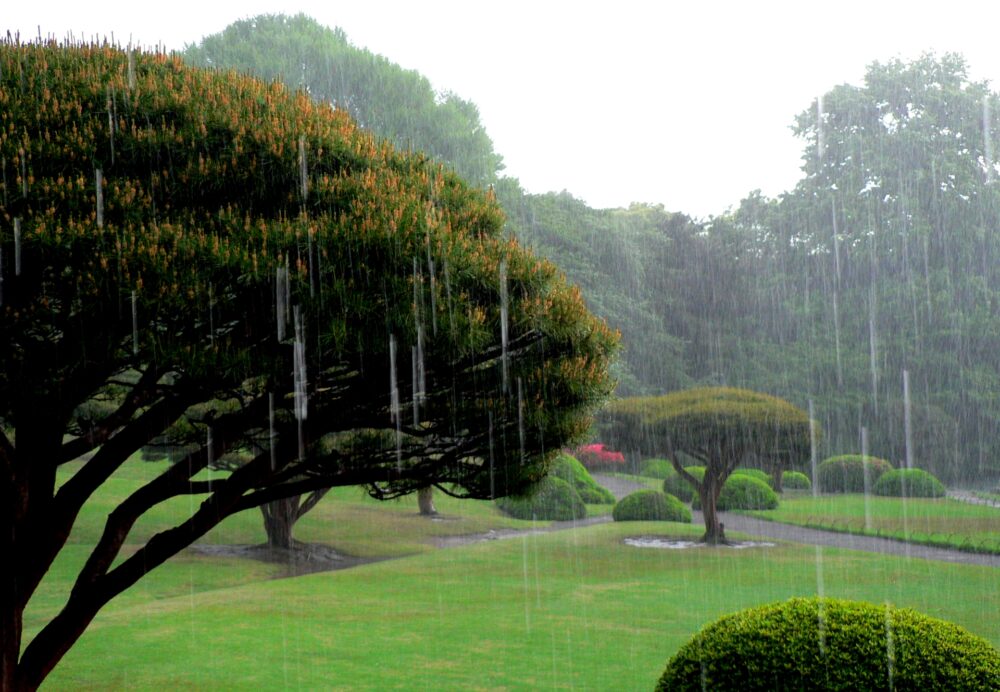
[943,521]
[575,609]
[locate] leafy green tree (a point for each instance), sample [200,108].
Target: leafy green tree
[212,258]
[392,102]
[720,427]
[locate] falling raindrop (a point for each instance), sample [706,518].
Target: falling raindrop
[812,449]
[303,171]
[430,270]
[99,190]
[135,323]
[821,608]
[820,139]
[907,420]
[1,277]
[493,493]
[281,295]
[17,247]
[24,173]
[503,323]
[520,416]
[987,139]
[111,122]
[836,292]
[299,378]
[866,473]
[394,405]
[872,348]
[890,647]
[131,69]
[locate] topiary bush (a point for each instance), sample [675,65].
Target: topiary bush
[651,505]
[760,475]
[656,468]
[551,498]
[572,471]
[830,644]
[795,480]
[743,492]
[846,473]
[680,488]
[909,483]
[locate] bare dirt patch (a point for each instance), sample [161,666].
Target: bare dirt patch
[302,558]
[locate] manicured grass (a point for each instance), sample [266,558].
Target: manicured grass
[944,522]
[573,609]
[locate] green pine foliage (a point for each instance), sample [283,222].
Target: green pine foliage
[569,468]
[845,473]
[909,483]
[550,499]
[831,644]
[651,505]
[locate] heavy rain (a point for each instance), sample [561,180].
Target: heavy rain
[721,414]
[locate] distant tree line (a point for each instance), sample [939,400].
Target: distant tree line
[882,260]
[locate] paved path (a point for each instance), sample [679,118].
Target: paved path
[834,539]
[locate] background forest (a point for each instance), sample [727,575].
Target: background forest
[872,282]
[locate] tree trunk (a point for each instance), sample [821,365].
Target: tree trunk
[714,530]
[776,479]
[279,519]
[425,499]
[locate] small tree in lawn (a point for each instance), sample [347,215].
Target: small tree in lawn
[718,426]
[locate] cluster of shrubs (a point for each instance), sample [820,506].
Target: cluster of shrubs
[651,505]
[846,474]
[823,643]
[560,496]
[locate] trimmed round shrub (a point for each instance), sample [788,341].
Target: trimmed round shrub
[656,468]
[743,492]
[754,473]
[795,480]
[846,473]
[909,483]
[570,469]
[551,498]
[831,644]
[680,488]
[650,505]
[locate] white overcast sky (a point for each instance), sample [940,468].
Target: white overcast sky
[687,104]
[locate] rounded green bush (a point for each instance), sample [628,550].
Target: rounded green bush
[909,483]
[831,644]
[650,505]
[846,473]
[743,492]
[795,480]
[680,488]
[754,473]
[656,468]
[551,498]
[569,468]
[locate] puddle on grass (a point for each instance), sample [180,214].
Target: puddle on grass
[679,544]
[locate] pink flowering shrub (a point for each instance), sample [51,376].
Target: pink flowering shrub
[596,458]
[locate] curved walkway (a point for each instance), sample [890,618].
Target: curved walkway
[834,539]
